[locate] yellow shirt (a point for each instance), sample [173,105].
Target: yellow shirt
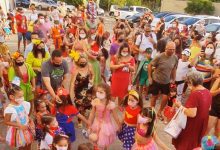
[36,62]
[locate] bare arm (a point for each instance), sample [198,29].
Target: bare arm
[92,115]
[190,112]
[115,116]
[114,66]
[33,83]
[92,73]
[64,79]
[149,69]
[173,74]
[46,81]
[72,86]
[215,90]
[83,119]
[7,121]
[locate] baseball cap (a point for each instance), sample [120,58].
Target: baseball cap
[186,52]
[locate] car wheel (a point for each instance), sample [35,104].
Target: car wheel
[40,7]
[111,14]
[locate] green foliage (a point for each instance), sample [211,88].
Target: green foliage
[200,7]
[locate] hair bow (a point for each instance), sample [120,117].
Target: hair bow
[41,91]
[16,55]
[62,91]
[172,86]
[74,55]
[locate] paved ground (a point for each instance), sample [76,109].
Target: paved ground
[12,43]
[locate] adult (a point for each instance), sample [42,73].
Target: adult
[120,38]
[165,72]
[54,14]
[81,43]
[160,28]
[31,18]
[2,14]
[54,73]
[214,114]
[91,13]
[173,31]
[21,22]
[63,11]
[197,111]
[121,65]
[25,73]
[204,63]
[122,26]
[179,47]
[145,40]
[35,60]
[34,40]
[68,39]
[195,46]
[40,28]
[80,86]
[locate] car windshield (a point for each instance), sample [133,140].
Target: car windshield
[159,15]
[212,27]
[190,21]
[169,18]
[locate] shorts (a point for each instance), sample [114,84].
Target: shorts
[21,35]
[28,36]
[155,88]
[215,111]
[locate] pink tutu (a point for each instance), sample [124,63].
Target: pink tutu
[149,146]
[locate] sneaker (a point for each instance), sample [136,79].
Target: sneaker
[85,133]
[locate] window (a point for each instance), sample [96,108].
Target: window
[140,9]
[190,21]
[212,28]
[131,9]
[213,21]
[169,18]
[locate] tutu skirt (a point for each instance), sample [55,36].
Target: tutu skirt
[18,138]
[149,146]
[106,132]
[127,136]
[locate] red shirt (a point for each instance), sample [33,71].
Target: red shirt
[21,22]
[131,115]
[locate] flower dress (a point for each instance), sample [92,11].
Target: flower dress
[102,124]
[19,114]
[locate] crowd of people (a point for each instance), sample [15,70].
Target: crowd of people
[70,67]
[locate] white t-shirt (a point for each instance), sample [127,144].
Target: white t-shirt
[182,70]
[47,142]
[143,43]
[32,17]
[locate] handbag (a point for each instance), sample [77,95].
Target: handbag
[177,123]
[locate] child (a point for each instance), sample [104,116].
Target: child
[169,110]
[6,28]
[50,129]
[3,98]
[103,131]
[145,133]
[65,112]
[41,109]
[133,104]
[142,73]
[16,118]
[61,142]
[57,33]
[183,68]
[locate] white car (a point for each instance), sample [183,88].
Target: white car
[112,10]
[169,19]
[100,12]
[68,7]
[123,13]
[44,4]
[193,21]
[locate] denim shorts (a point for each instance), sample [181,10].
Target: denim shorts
[21,35]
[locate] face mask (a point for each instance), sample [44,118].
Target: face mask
[56,65]
[124,54]
[83,36]
[70,36]
[61,148]
[36,41]
[19,63]
[143,120]
[209,51]
[93,37]
[100,95]
[82,65]
[19,100]
[132,104]
[42,21]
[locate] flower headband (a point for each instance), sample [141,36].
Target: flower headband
[62,91]
[74,55]
[134,93]
[16,55]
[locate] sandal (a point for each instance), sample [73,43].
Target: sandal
[160,117]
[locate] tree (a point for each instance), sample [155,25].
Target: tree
[200,7]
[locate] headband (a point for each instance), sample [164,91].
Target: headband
[134,93]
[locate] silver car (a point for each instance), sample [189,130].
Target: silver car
[44,4]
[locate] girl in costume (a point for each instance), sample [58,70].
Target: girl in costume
[61,142]
[65,112]
[103,131]
[145,132]
[133,105]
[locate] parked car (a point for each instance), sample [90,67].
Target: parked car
[44,4]
[158,16]
[169,19]
[112,10]
[193,21]
[68,7]
[100,12]
[215,27]
[22,3]
[122,13]
[135,18]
